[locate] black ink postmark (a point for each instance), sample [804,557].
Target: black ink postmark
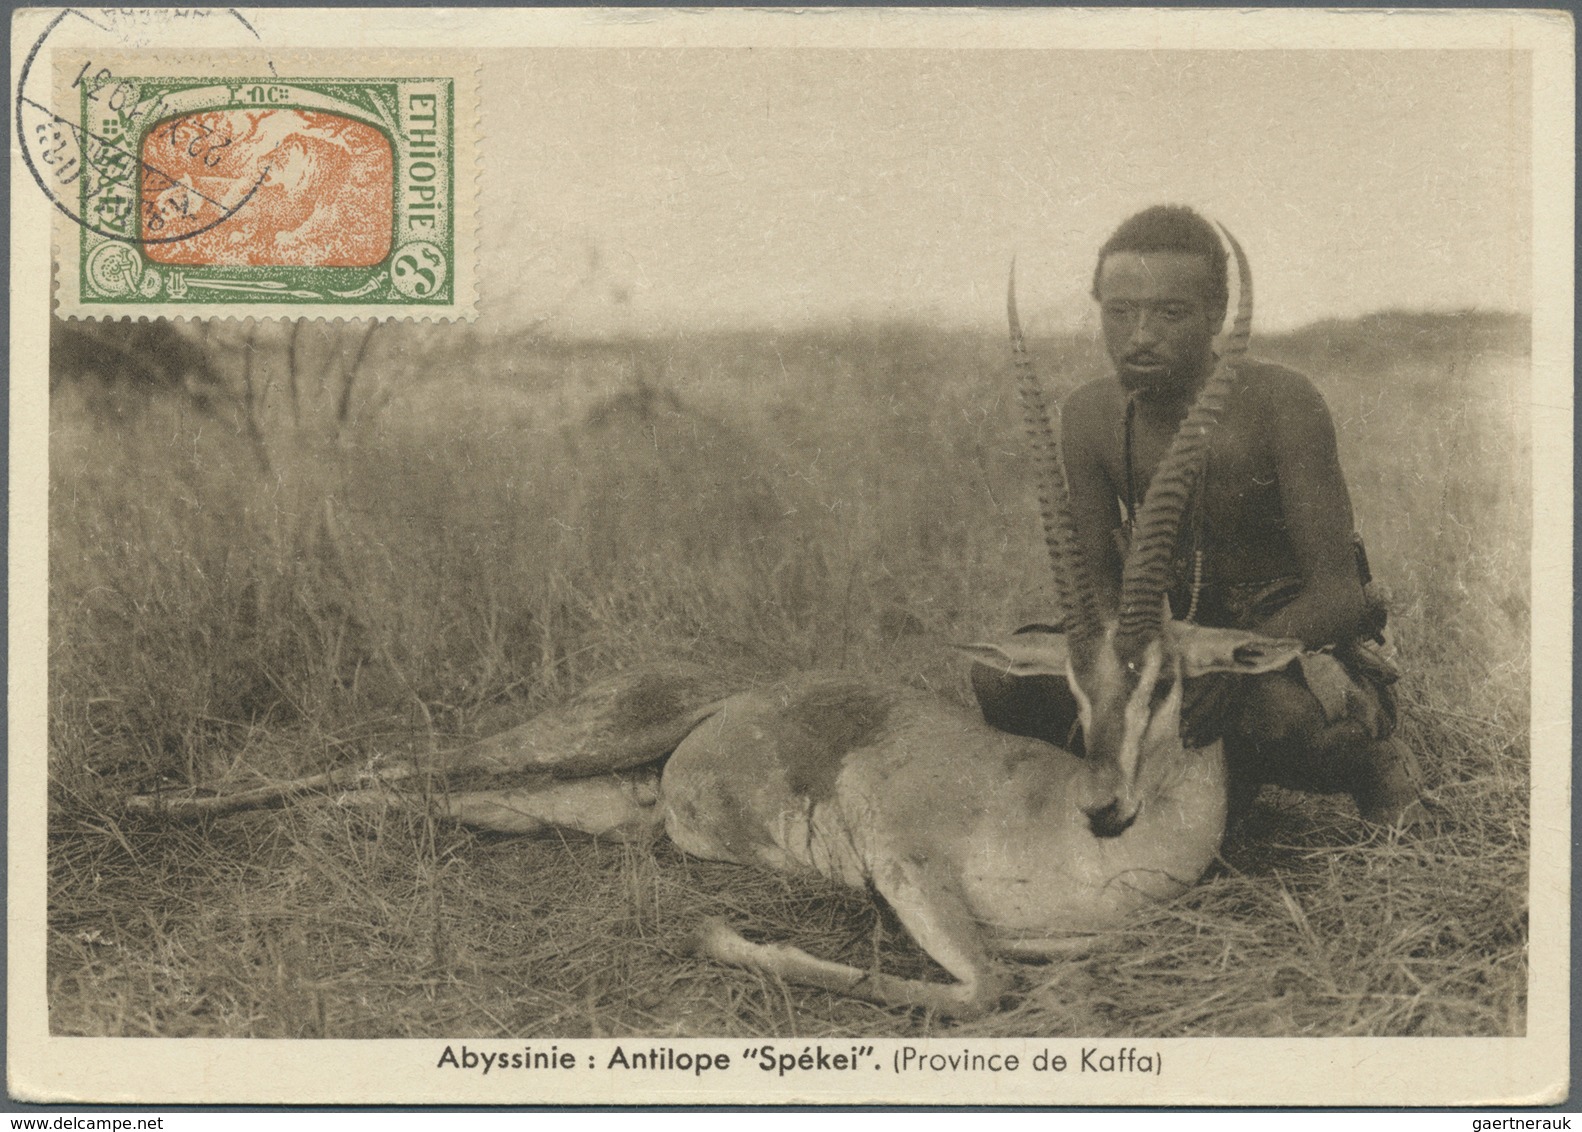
[98,176]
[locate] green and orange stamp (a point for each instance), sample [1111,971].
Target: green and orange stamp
[267,196]
[290,192]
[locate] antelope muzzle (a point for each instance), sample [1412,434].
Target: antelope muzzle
[1107,820]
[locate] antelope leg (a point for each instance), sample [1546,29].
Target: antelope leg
[1044,948]
[624,720]
[624,807]
[719,941]
[619,807]
[192,806]
[935,916]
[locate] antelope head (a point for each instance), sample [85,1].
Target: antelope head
[1126,666]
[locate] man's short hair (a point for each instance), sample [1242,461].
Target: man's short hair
[1171,228]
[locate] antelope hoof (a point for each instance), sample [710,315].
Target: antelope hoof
[713,938]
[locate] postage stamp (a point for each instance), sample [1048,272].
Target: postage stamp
[193,186]
[498,498]
[335,192]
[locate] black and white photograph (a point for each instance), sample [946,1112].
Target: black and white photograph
[715,557]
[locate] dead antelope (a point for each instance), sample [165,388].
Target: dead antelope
[980,841]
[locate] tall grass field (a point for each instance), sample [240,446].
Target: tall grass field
[502,521]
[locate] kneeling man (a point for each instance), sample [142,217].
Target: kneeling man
[1268,543]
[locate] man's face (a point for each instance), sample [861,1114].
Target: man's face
[1159,322]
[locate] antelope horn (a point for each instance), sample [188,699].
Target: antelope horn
[1157,525]
[1074,594]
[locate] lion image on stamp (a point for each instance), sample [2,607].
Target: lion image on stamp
[336,608]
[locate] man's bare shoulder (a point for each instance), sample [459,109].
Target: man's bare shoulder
[1273,379]
[1285,402]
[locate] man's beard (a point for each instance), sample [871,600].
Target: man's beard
[1171,382]
[1166,382]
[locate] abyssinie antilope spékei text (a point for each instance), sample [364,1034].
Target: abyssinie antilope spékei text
[981,842]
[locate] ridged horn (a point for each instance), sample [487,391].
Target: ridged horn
[1074,594]
[1146,576]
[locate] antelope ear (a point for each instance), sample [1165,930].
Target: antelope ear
[1026,654]
[1203,650]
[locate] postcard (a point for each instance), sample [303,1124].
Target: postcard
[895,556]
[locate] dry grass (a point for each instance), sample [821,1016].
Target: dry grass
[848,499]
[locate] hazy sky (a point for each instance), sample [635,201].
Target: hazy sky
[723,186]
